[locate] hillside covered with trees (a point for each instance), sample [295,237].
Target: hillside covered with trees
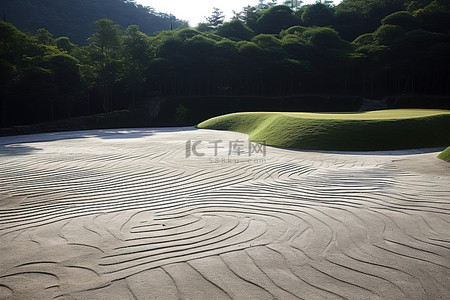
[366,48]
[75,19]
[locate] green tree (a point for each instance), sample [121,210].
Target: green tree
[266,41]
[63,43]
[330,56]
[137,56]
[66,83]
[14,44]
[364,40]
[235,30]
[356,17]
[295,46]
[216,18]
[28,85]
[249,16]
[204,27]
[106,36]
[276,19]
[106,42]
[388,34]
[44,37]
[197,73]
[435,16]
[295,30]
[318,14]
[403,19]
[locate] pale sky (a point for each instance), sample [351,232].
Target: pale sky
[195,11]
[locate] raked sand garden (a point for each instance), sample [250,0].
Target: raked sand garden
[187,213]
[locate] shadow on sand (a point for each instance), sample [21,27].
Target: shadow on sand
[16,145]
[11,150]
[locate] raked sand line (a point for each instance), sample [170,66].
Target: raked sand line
[123,214]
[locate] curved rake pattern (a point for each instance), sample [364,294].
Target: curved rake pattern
[119,218]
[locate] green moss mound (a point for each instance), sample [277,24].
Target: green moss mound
[445,155]
[375,130]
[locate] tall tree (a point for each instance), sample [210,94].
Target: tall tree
[106,41]
[248,15]
[136,53]
[216,18]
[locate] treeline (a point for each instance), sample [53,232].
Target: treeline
[75,19]
[279,50]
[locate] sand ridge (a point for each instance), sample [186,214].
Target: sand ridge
[124,214]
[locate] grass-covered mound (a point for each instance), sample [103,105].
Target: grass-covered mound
[375,130]
[445,155]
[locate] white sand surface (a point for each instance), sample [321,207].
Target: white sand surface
[124,214]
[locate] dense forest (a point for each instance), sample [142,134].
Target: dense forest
[75,19]
[359,47]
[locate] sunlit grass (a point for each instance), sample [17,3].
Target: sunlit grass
[376,130]
[445,155]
